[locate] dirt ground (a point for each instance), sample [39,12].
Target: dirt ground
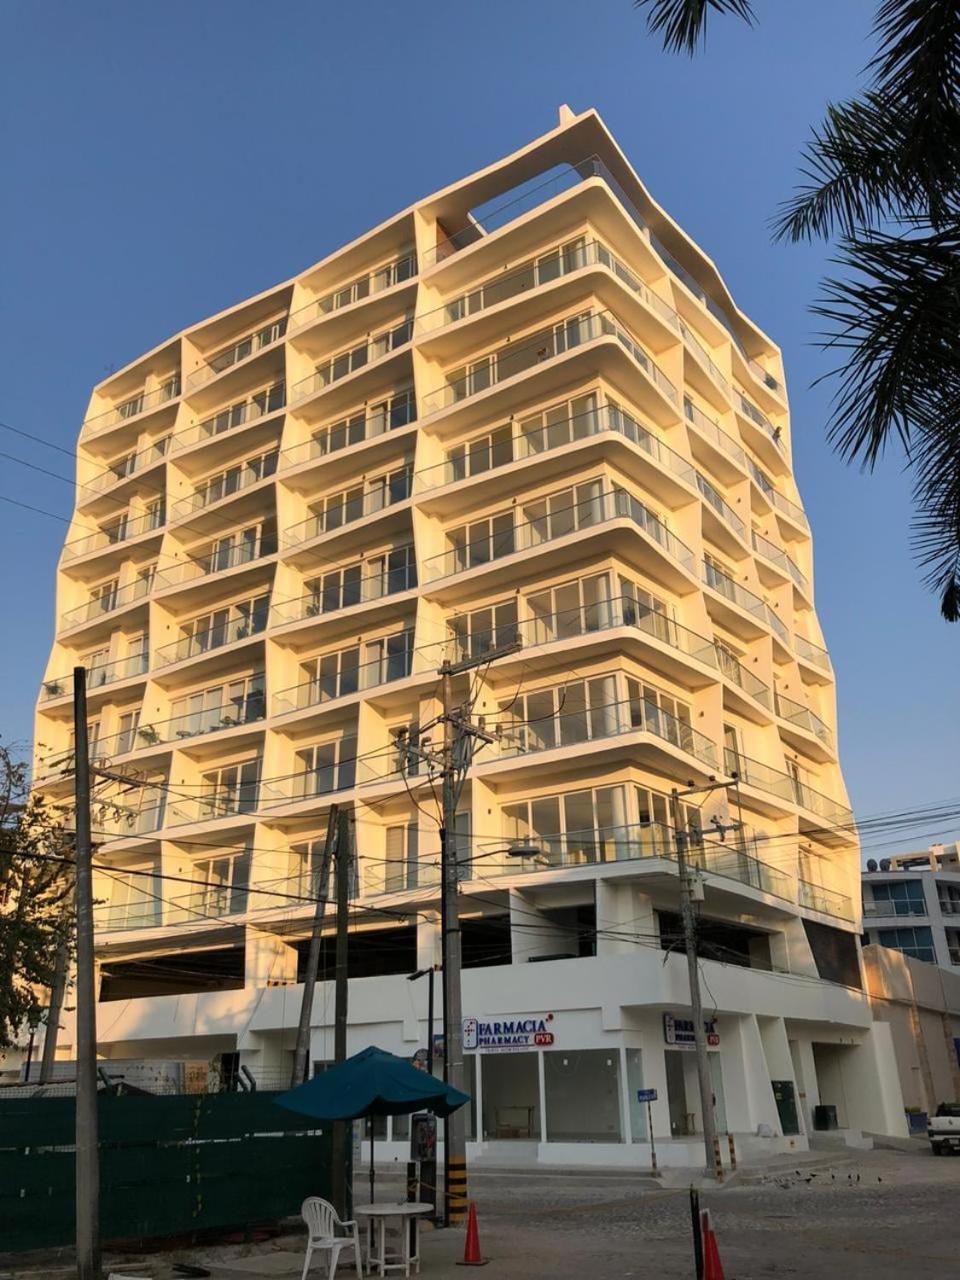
[884,1215]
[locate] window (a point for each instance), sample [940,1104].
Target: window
[223,626]
[486,629]
[240,547]
[374,494]
[562,715]
[115,530]
[472,458]
[134,898]
[565,511]
[560,424]
[223,884]
[104,596]
[660,713]
[361,666]
[577,827]
[234,478]
[570,1078]
[916,942]
[153,513]
[656,835]
[127,736]
[482,541]
[222,706]
[144,580]
[327,766]
[231,789]
[354,358]
[401,857]
[902,898]
[571,609]
[642,608]
[96,664]
[366,423]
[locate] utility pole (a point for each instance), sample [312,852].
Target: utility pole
[301,1052]
[88,1155]
[341,1153]
[710,1143]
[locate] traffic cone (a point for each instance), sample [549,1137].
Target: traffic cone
[712,1266]
[471,1249]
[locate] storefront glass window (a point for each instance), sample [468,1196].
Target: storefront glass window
[582,1101]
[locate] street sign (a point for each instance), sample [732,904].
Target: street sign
[646,1095]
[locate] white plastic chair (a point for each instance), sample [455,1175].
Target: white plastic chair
[322,1224]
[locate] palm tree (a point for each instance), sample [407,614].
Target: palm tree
[882,176]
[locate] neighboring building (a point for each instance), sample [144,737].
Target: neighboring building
[911,903]
[526,410]
[921,1002]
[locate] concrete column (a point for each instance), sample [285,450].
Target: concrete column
[760,1106]
[269,960]
[622,909]
[872,1084]
[534,934]
[805,1074]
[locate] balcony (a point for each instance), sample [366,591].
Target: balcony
[576,517]
[725,455]
[750,411]
[137,664]
[812,653]
[219,560]
[123,531]
[546,268]
[121,818]
[737,673]
[776,498]
[216,636]
[469,462]
[893,908]
[516,358]
[802,717]
[342,679]
[135,406]
[353,431]
[345,590]
[724,586]
[145,913]
[350,361]
[191,725]
[313,783]
[351,507]
[610,720]
[108,602]
[716,381]
[721,507]
[269,400]
[124,467]
[226,802]
[399,271]
[815,898]
[250,345]
[224,485]
[786,787]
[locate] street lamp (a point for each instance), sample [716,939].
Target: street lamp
[427,973]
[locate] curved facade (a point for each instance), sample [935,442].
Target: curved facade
[523,412]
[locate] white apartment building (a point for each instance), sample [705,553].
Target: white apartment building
[911,903]
[525,411]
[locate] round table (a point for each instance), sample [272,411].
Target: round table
[407,1215]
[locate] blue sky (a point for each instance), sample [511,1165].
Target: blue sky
[161,162]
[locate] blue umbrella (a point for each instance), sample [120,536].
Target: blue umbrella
[372,1083]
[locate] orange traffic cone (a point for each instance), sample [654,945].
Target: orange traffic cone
[712,1266]
[471,1249]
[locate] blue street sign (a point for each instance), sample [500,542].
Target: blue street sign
[646,1095]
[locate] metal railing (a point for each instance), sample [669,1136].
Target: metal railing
[225,485]
[806,649]
[108,603]
[127,466]
[134,406]
[335,515]
[349,361]
[784,785]
[258,405]
[219,560]
[711,431]
[325,687]
[137,664]
[816,898]
[214,637]
[352,431]
[190,725]
[225,802]
[720,506]
[614,504]
[242,349]
[514,358]
[797,714]
[346,594]
[569,430]
[608,720]
[399,271]
[122,531]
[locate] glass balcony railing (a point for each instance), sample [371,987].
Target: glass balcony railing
[774,497]
[127,466]
[731,666]
[123,816]
[219,560]
[226,484]
[803,718]
[344,590]
[763,377]
[344,679]
[516,358]
[693,343]
[720,506]
[786,787]
[547,267]
[321,781]
[346,362]
[107,602]
[114,535]
[250,345]
[815,898]
[355,430]
[191,725]
[770,552]
[345,508]
[145,913]
[725,586]
[609,720]
[236,800]
[215,636]
[750,410]
[473,459]
[366,286]
[811,652]
[259,405]
[714,433]
[576,517]
[134,406]
[136,664]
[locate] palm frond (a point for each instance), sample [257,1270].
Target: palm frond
[683,23]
